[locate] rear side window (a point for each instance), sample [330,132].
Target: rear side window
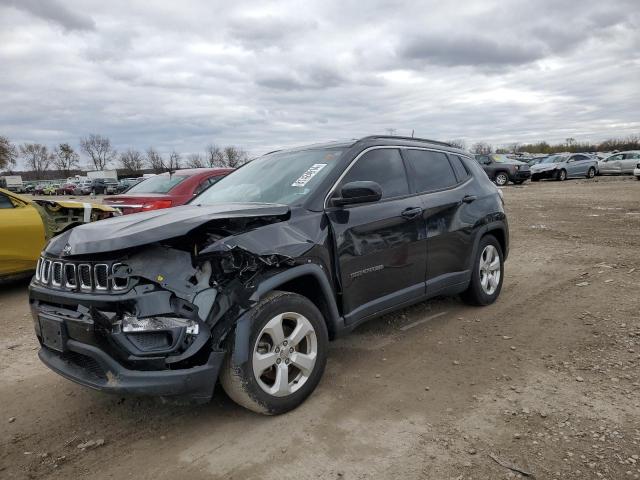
[458,167]
[430,170]
[383,166]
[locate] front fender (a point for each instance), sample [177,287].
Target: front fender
[267,284]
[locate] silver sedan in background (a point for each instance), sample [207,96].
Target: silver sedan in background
[619,163]
[565,165]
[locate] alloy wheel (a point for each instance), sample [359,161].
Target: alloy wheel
[490,271]
[501,179]
[284,354]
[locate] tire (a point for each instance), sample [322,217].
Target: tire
[477,293]
[638,178]
[248,384]
[561,176]
[501,179]
[591,172]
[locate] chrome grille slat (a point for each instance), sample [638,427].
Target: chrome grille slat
[70,279]
[38,267]
[56,274]
[101,276]
[46,270]
[118,283]
[84,276]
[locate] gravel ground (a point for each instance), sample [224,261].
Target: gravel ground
[546,380]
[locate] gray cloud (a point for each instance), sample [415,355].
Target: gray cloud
[453,49]
[55,12]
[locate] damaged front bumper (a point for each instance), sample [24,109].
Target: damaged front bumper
[80,343]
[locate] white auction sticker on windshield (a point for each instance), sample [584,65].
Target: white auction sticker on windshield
[311,172]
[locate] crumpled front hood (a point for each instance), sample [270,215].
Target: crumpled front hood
[140,229]
[543,167]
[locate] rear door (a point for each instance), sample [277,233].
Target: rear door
[380,246]
[443,183]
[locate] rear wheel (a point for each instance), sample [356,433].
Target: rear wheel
[501,179]
[287,353]
[561,175]
[591,172]
[486,276]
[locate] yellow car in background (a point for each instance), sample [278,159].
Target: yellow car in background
[26,225]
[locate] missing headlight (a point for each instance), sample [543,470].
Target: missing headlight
[132,324]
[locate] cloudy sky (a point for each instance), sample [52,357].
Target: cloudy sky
[261,75]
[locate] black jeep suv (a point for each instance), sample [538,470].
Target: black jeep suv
[250,281]
[502,169]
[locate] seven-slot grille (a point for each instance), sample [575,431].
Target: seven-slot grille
[82,276]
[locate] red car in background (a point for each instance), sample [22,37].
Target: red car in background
[166,190]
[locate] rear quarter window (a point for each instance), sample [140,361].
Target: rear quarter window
[458,167]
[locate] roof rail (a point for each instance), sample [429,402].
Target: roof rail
[415,139]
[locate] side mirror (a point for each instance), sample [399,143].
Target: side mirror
[358,192]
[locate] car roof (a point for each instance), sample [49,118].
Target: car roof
[374,140]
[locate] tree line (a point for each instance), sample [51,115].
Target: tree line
[631,142]
[39,158]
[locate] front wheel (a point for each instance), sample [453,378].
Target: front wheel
[501,179]
[287,352]
[561,175]
[486,275]
[591,172]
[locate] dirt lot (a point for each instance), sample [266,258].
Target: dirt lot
[547,379]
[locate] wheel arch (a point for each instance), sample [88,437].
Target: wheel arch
[500,231]
[308,280]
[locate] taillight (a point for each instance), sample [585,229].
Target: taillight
[156,204]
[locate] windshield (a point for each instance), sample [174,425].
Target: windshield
[553,159]
[281,177]
[501,159]
[158,184]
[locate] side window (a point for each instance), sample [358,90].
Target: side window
[383,166]
[458,166]
[5,202]
[577,158]
[430,170]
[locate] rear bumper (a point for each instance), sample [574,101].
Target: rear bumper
[89,366]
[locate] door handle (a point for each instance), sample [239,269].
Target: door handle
[411,212]
[469,198]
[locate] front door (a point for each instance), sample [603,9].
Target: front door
[380,246]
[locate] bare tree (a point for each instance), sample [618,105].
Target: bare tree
[458,143]
[174,161]
[36,156]
[131,160]
[98,148]
[482,148]
[391,131]
[8,153]
[154,160]
[195,160]
[65,159]
[215,156]
[234,156]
